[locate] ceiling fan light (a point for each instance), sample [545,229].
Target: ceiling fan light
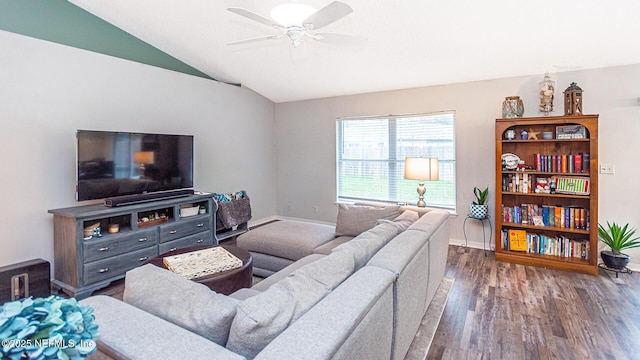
[291,14]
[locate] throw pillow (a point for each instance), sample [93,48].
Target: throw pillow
[183,302]
[406,219]
[408,215]
[353,220]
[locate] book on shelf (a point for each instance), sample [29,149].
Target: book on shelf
[517,240]
[586,162]
[562,163]
[560,246]
[523,182]
[568,217]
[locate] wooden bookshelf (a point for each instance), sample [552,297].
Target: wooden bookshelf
[564,244]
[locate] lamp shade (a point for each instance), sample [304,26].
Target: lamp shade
[143,157]
[421,168]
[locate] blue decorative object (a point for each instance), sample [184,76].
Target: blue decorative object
[47,328]
[524,135]
[221,198]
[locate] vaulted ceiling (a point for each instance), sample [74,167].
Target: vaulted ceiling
[411,43]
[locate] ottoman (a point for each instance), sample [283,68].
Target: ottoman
[277,245]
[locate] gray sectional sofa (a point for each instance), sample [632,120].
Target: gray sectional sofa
[363,299]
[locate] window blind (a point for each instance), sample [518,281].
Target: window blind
[371,153]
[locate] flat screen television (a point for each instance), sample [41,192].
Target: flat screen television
[113,164]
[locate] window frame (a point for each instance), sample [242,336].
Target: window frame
[392,160]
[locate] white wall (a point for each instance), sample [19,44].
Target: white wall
[305,138]
[47,91]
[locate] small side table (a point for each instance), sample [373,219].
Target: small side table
[484,238]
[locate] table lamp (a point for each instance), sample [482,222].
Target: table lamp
[422,169]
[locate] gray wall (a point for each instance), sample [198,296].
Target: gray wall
[305,138]
[49,90]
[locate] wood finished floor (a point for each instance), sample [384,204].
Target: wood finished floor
[499,310]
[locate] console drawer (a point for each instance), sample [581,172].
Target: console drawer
[108,268]
[116,244]
[182,228]
[199,239]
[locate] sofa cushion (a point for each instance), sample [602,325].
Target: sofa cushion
[365,245]
[407,257]
[353,220]
[266,283]
[408,215]
[430,221]
[326,248]
[261,318]
[286,239]
[403,221]
[127,332]
[183,302]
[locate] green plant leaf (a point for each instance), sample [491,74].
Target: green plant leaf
[481,195]
[618,237]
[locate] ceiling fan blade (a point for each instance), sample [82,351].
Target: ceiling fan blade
[341,39]
[255,17]
[327,15]
[246,41]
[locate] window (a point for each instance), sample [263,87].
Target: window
[371,153]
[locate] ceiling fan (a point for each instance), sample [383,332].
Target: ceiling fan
[298,21]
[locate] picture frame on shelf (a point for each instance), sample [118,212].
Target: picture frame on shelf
[571,132]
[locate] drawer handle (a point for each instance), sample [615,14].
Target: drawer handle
[173,232]
[200,241]
[144,258]
[173,249]
[200,225]
[143,239]
[103,270]
[104,248]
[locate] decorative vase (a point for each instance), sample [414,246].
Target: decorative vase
[546,88]
[614,261]
[512,107]
[478,211]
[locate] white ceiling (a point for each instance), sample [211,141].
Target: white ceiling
[411,43]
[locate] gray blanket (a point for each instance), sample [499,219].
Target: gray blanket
[232,213]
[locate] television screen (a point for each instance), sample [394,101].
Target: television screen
[111,164]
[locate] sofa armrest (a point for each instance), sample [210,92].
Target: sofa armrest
[127,332]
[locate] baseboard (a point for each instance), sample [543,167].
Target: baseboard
[472,244]
[280,217]
[259,222]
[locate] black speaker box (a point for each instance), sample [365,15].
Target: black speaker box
[28,278]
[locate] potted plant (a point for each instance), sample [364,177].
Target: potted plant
[617,238]
[47,328]
[479,208]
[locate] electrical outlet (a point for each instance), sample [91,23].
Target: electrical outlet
[315,209]
[607,169]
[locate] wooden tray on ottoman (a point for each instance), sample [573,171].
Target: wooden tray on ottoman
[225,282]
